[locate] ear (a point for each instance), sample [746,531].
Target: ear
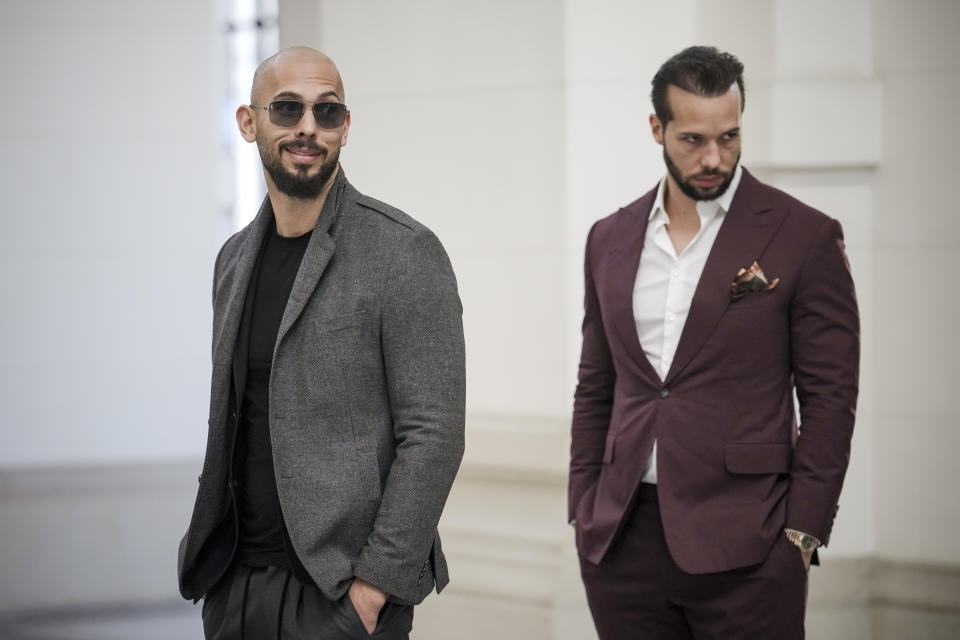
[656,128]
[247,122]
[346,130]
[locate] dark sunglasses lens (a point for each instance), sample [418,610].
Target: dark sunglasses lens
[330,115]
[286,113]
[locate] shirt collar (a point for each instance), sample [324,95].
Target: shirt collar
[706,208]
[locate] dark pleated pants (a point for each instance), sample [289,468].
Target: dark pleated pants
[269,603]
[638,592]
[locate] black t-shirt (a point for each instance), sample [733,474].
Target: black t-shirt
[261,521]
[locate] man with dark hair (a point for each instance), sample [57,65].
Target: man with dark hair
[337,402]
[698,500]
[702,71]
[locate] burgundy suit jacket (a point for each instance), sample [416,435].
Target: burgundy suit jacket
[731,469]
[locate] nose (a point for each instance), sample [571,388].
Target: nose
[711,156]
[307,125]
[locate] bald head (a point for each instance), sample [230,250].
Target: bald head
[294,62]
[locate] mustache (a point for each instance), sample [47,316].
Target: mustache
[301,145]
[710,172]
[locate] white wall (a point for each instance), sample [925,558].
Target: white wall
[111,220]
[917,249]
[110,223]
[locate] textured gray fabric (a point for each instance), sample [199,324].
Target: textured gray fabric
[366,397]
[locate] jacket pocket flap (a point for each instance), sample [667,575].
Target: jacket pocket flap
[758,457]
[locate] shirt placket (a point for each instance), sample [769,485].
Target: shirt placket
[670,317]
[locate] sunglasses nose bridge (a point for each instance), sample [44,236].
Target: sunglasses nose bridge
[306,124]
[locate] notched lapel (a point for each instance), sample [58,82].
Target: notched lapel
[746,230]
[623,262]
[232,313]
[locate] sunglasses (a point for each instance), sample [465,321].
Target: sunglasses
[287,113]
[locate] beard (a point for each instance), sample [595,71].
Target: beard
[691,190]
[298,183]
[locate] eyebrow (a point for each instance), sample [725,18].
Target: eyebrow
[296,96]
[697,133]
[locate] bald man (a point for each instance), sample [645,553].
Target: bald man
[337,400]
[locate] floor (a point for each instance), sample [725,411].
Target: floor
[161,621]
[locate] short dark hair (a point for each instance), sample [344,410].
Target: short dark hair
[702,71]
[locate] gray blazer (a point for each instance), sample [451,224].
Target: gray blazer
[366,398]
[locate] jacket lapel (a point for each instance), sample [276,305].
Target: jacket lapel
[227,335]
[319,251]
[747,228]
[623,264]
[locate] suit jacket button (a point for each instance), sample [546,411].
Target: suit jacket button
[664,393]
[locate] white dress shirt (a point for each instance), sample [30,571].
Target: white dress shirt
[665,283]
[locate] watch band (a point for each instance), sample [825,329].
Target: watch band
[803,541]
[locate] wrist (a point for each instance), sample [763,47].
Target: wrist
[369,591]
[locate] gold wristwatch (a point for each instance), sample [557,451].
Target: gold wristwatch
[803,541]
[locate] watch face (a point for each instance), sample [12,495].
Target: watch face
[807,543]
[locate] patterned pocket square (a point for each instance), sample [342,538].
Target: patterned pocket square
[750,280]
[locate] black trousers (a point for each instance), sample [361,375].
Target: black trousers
[269,603]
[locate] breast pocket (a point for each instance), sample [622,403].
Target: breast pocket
[336,324]
[332,342]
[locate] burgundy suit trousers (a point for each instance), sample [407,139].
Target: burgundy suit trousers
[638,592]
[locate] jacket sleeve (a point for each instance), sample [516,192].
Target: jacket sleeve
[825,351]
[593,399]
[423,354]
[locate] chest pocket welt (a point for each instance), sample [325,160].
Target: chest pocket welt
[340,323]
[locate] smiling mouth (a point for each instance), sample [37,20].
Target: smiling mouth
[302,153]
